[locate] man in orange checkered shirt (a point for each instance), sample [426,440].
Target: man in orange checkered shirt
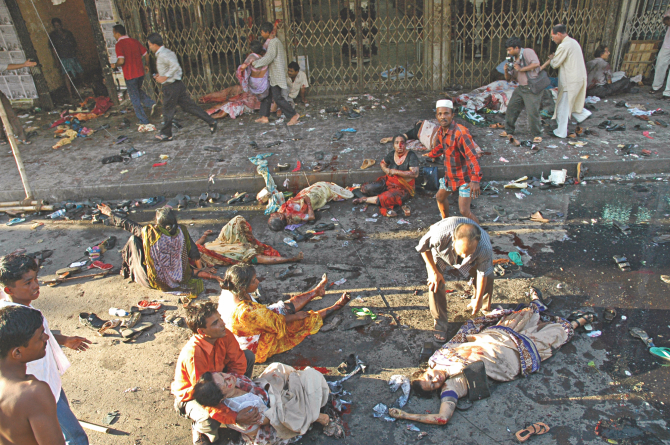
[461,168]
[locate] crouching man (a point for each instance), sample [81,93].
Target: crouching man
[212,348]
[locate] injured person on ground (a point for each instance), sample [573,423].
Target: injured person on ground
[503,346]
[161,255]
[298,397]
[401,168]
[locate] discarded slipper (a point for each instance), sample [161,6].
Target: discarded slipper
[131,334]
[363,312]
[324,226]
[604,124]
[500,210]
[661,352]
[91,320]
[100,265]
[111,324]
[337,136]
[642,335]
[15,221]
[537,217]
[132,321]
[334,322]
[367,163]
[609,314]
[406,210]
[281,167]
[497,125]
[504,134]
[535,429]
[516,258]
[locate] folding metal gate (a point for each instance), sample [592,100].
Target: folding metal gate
[641,20]
[482,26]
[362,45]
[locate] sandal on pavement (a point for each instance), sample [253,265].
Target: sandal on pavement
[406,210]
[609,314]
[146,304]
[661,352]
[642,335]
[100,265]
[536,429]
[163,138]
[130,334]
[497,125]
[504,134]
[537,217]
[132,321]
[537,140]
[111,324]
[367,163]
[91,321]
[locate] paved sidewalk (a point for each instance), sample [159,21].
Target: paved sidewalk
[76,171]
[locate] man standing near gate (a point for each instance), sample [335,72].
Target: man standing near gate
[174,90]
[663,61]
[275,57]
[572,80]
[526,66]
[134,61]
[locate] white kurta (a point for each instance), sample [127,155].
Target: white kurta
[569,61]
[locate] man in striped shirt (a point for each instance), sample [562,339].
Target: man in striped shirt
[275,57]
[461,168]
[460,243]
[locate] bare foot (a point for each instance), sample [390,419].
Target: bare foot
[344,299]
[385,140]
[298,257]
[395,413]
[207,232]
[320,289]
[294,119]
[262,120]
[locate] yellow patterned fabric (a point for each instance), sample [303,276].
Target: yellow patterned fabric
[276,335]
[151,235]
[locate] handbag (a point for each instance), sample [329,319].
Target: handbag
[539,83]
[429,178]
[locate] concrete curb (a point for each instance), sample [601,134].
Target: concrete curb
[299,180]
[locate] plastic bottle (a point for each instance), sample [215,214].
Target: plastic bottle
[290,242]
[118,312]
[57,214]
[137,154]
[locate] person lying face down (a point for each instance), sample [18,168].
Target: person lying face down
[301,208]
[401,168]
[297,399]
[509,344]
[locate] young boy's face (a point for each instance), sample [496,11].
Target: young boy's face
[26,288]
[37,346]
[292,73]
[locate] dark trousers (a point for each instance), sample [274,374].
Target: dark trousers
[619,87]
[275,94]
[13,119]
[437,302]
[524,97]
[175,94]
[251,360]
[139,98]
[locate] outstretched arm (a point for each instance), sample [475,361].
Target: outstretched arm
[447,408]
[124,223]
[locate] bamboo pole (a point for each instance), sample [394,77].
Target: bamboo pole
[35,208]
[18,203]
[15,150]
[94,427]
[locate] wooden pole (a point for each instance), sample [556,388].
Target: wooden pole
[9,131]
[101,47]
[46,101]
[94,427]
[35,208]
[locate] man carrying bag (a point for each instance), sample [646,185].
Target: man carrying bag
[532,81]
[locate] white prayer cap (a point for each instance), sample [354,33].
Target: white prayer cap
[444,103]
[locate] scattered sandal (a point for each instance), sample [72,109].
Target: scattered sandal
[146,304]
[537,140]
[406,210]
[497,125]
[163,138]
[609,314]
[504,134]
[111,324]
[537,217]
[91,321]
[536,429]
[385,140]
[367,163]
[334,428]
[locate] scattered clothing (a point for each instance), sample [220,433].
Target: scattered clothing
[235,244]
[494,96]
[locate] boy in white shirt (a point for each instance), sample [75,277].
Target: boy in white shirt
[18,278]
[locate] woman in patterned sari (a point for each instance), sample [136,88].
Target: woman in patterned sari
[510,343]
[269,330]
[236,244]
[161,255]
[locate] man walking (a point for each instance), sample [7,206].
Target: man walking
[461,168]
[275,57]
[174,90]
[134,61]
[11,115]
[526,66]
[18,278]
[64,46]
[463,245]
[569,61]
[663,61]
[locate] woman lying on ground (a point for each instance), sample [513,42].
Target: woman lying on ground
[270,330]
[423,136]
[236,244]
[401,167]
[297,400]
[510,343]
[300,208]
[161,255]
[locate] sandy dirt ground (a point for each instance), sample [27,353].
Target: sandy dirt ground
[569,259]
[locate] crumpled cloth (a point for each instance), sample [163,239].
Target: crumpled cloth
[276,197]
[67,138]
[494,96]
